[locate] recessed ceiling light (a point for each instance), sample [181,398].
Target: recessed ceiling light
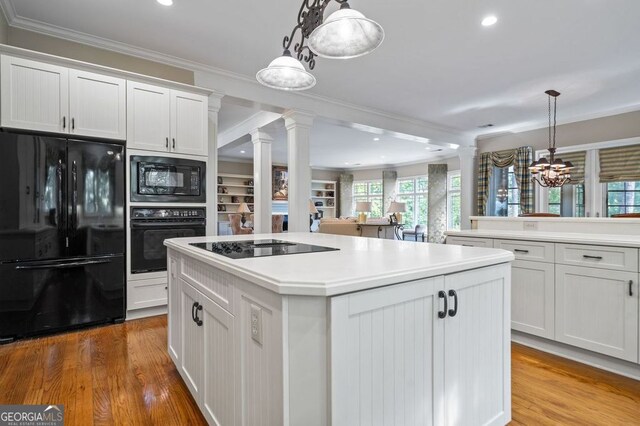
[489,20]
[376,139]
[241,152]
[165,2]
[382,156]
[346,163]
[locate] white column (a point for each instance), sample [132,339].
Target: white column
[467,185]
[261,181]
[212,164]
[298,126]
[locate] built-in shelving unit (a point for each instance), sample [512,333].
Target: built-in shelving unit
[232,190]
[324,191]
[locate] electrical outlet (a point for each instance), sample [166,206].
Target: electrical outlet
[530,226]
[256,323]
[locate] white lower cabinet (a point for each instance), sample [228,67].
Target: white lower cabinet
[598,310]
[207,334]
[416,353]
[532,298]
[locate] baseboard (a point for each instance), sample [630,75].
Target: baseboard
[146,312]
[604,362]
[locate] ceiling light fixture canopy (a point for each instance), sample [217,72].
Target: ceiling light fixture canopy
[346,33]
[552,172]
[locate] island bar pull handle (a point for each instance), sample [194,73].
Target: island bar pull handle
[586,256]
[453,312]
[193,311]
[443,295]
[198,320]
[630,287]
[521,251]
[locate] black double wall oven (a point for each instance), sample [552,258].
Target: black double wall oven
[177,181]
[62,233]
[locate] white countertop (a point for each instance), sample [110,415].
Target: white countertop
[360,264]
[554,237]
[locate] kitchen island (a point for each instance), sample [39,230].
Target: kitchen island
[370,332]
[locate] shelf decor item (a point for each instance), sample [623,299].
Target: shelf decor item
[220,180]
[345,34]
[552,172]
[363,207]
[235,199]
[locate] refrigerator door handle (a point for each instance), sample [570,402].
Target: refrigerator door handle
[74,196]
[60,195]
[63,265]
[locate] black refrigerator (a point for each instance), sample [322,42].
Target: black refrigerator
[62,234]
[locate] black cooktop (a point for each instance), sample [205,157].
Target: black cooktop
[259,248]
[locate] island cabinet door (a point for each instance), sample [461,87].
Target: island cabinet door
[174,309]
[476,360]
[383,369]
[220,368]
[597,309]
[533,298]
[192,351]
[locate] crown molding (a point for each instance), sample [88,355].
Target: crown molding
[17,21]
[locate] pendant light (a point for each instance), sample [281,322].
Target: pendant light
[552,172]
[286,73]
[345,34]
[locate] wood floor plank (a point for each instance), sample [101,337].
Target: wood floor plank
[122,375]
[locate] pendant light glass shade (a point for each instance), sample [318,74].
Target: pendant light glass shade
[345,34]
[286,73]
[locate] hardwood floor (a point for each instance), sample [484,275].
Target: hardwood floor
[122,375]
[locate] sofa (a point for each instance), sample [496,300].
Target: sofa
[348,226]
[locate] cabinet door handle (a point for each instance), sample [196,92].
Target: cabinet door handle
[630,287]
[174,142]
[73,123]
[443,295]
[193,311]
[586,256]
[64,122]
[521,251]
[166,144]
[198,320]
[453,312]
[467,245]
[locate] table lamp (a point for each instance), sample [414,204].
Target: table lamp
[396,209]
[363,207]
[243,208]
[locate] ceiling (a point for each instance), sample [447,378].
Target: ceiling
[437,63]
[332,145]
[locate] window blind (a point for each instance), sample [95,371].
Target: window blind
[620,164]
[578,159]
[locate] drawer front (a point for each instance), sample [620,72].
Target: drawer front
[528,250]
[217,285]
[470,241]
[146,293]
[603,257]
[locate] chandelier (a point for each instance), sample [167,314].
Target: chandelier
[345,34]
[552,172]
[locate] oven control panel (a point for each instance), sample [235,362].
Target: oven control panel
[167,213]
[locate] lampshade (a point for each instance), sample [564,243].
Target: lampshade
[312,208]
[286,73]
[345,34]
[243,208]
[363,206]
[396,207]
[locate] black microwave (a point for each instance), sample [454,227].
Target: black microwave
[167,179]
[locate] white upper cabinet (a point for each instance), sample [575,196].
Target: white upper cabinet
[148,117]
[97,105]
[165,120]
[35,95]
[188,123]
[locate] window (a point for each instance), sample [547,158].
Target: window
[453,200]
[623,197]
[369,191]
[504,197]
[567,201]
[413,192]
